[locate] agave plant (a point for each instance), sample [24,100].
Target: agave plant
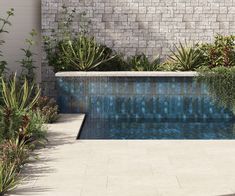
[19,98]
[9,178]
[142,63]
[84,53]
[187,58]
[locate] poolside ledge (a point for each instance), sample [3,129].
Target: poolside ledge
[127,74]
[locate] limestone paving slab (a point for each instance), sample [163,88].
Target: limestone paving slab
[127,168]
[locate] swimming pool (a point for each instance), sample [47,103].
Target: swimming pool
[156,129]
[143,105]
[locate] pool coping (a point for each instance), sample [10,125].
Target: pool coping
[127,74]
[73,123]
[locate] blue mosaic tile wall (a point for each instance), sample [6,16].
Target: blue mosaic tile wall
[138,97]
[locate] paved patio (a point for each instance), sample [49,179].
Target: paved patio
[128,168]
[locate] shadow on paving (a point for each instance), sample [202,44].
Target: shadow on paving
[38,166]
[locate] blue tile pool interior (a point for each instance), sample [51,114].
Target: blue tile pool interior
[155,129]
[107,100]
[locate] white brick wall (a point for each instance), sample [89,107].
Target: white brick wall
[150,26]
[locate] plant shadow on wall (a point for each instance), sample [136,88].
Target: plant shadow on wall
[68,50]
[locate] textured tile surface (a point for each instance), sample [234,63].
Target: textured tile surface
[138,97]
[128,168]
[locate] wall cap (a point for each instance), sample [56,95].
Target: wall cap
[127,74]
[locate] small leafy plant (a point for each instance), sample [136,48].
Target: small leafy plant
[186,58]
[27,63]
[48,108]
[34,130]
[142,63]
[3,23]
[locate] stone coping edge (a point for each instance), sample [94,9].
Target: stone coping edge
[127,74]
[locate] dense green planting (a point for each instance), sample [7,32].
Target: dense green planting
[218,70]
[219,53]
[22,116]
[221,85]
[21,129]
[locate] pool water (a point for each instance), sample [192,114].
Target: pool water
[156,129]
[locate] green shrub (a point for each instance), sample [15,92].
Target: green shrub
[186,58]
[14,152]
[142,63]
[9,178]
[221,85]
[18,102]
[117,63]
[84,53]
[54,44]
[219,53]
[55,55]
[19,97]
[48,108]
[168,66]
[35,131]
[11,121]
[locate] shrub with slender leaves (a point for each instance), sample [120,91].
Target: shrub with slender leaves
[9,178]
[19,98]
[15,152]
[84,53]
[53,44]
[186,58]
[18,102]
